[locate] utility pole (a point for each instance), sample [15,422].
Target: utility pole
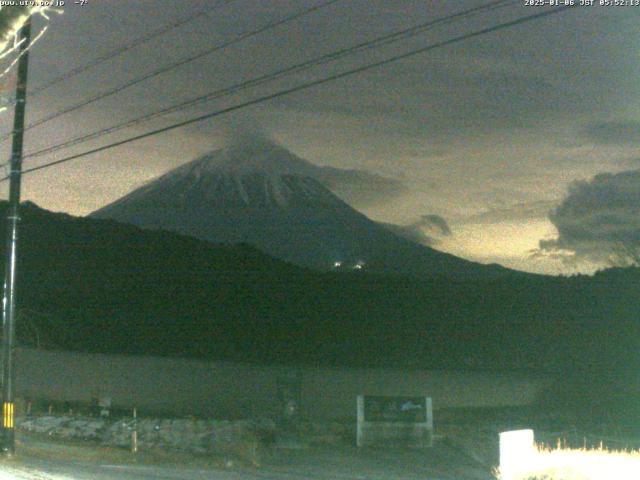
[8,445]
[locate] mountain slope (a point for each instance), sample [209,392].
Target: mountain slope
[266,196]
[101,286]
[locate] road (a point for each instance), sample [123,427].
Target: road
[312,465]
[43,470]
[42,460]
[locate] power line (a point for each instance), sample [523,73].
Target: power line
[308,64]
[127,47]
[173,66]
[304,86]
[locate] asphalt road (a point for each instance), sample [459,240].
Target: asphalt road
[45,460]
[316,465]
[43,470]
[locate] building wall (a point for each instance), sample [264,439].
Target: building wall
[219,389]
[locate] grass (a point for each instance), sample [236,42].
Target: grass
[577,464]
[37,446]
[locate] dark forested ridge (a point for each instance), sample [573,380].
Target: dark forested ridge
[99,286]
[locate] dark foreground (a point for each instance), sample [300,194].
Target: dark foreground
[40,459]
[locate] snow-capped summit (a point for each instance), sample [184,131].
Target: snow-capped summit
[257,155]
[260,174]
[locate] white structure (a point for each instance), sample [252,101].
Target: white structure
[517,452]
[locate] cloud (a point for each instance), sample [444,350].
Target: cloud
[519,212]
[428,230]
[360,188]
[434,224]
[621,132]
[245,131]
[599,221]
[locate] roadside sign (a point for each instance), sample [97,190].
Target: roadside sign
[401,419]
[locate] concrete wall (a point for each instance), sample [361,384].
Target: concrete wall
[221,389]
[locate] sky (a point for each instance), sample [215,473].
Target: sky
[525,140]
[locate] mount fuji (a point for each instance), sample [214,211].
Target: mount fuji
[262,194]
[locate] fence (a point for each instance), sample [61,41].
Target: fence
[233,390]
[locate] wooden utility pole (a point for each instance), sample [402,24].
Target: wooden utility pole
[9,299]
